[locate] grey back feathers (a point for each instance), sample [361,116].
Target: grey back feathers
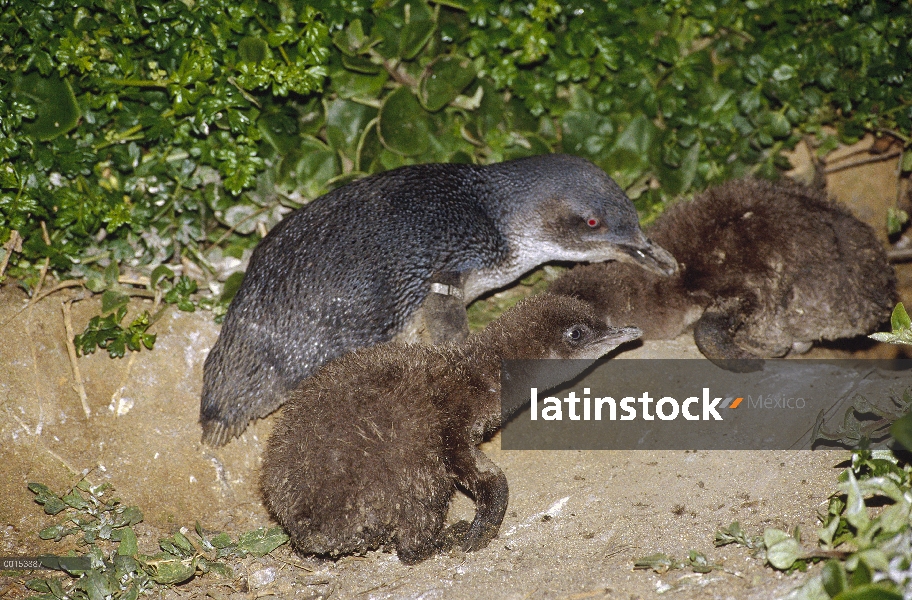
[368,451]
[350,269]
[765,268]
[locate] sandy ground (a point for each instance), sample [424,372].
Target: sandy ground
[577,520]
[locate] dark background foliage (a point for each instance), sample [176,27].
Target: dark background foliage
[138,132]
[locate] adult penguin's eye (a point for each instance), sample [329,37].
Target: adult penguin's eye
[593,222]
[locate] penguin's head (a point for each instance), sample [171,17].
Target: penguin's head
[570,328]
[548,326]
[566,208]
[552,326]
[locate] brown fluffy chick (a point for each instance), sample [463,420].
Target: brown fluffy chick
[765,268]
[368,451]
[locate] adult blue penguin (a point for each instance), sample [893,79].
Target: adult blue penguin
[352,268]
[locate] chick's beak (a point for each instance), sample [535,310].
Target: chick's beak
[619,335]
[612,338]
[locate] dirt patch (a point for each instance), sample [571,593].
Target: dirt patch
[576,522]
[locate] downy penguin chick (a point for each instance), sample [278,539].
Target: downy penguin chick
[350,268]
[765,268]
[368,451]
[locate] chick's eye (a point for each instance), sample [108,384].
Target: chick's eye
[593,222]
[575,333]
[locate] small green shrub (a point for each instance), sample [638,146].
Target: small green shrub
[143,133]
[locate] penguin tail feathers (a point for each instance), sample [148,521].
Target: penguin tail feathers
[239,385]
[217,433]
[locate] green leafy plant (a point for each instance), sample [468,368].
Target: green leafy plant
[661,563]
[879,560]
[865,422]
[778,548]
[107,333]
[141,134]
[864,537]
[115,568]
[176,290]
[901,325]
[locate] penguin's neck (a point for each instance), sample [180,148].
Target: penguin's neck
[486,279]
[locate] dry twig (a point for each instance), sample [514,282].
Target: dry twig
[71,349]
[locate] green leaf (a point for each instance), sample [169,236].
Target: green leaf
[51,501]
[128,544]
[361,64]
[112,274]
[658,562]
[678,180]
[231,287]
[351,40]
[861,575]
[783,72]
[222,540]
[95,283]
[779,126]
[901,430]
[906,164]
[418,29]
[354,83]
[869,592]
[260,542]
[218,568]
[699,562]
[279,129]
[782,550]
[181,541]
[902,328]
[444,80]
[345,120]
[52,533]
[96,585]
[896,219]
[308,168]
[158,274]
[834,577]
[900,318]
[638,137]
[117,348]
[875,558]
[132,515]
[112,301]
[38,585]
[56,110]
[167,569]
[75,500]
[404,126]
[253,49]
[856,513]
